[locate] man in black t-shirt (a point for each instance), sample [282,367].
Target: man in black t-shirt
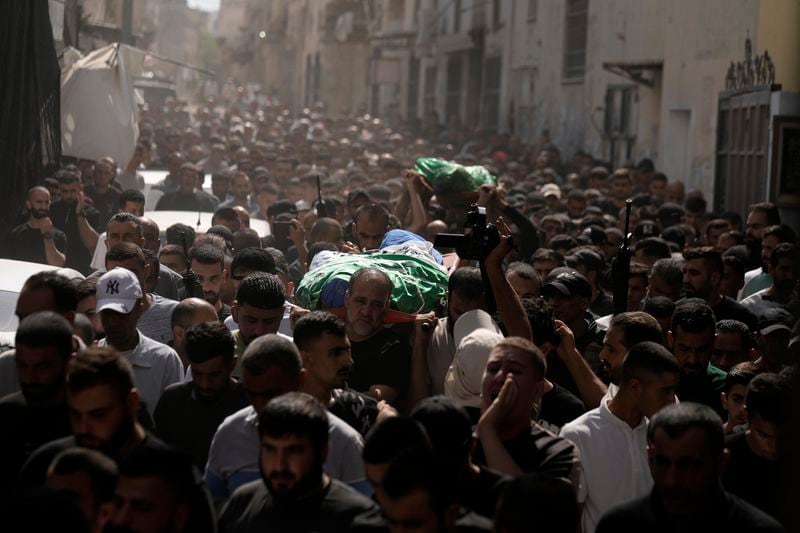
[186,198]
[37,240]
[38,413]
[686,455]
[103,406]
[381,358]
[449,429]
[509,442]
[79,222]
[294,493]
[189,413]
[758,465]
[691,340]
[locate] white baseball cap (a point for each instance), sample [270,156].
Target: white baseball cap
[475,335]
[118,290]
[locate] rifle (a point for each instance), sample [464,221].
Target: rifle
[322,209]
[621,266]
[190,280]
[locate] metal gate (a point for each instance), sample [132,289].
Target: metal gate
[742,146]
[743,127]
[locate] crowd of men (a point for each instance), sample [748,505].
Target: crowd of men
[164,380]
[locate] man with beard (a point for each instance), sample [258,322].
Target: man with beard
[104,196]
[38,413]
[783,270]
[37,240]
[702,277]
[612,439]
[691,339]
[760,278]
[759,217]
[103,403]
[294,493]
[624,331]
[208,262]
[687,455]
[189,413]
[79,222]
[271,367]
[381,359]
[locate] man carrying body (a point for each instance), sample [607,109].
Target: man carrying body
[381,359]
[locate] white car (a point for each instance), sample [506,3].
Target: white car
[200,221]
[13,275]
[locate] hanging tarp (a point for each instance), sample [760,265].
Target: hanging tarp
[99,111]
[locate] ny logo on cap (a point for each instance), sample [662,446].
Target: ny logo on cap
[112,287]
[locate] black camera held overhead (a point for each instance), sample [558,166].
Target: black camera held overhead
[477,242]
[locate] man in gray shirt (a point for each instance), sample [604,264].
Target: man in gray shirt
[155,322]
[120,303]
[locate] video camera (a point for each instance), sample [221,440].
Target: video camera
[478,240]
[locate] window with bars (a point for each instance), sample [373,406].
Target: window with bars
[454,88]
[575,30]
[533,6]
[429,97]
[492,70]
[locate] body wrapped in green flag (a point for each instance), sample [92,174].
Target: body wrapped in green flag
[417,285]
[446,177]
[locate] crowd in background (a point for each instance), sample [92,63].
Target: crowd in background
[165,379]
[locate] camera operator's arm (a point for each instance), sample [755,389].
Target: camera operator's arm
[589,385]
[419,386]
[528,236]
[509,306]
[414,186]
[297,234]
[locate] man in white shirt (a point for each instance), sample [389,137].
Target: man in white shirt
[783,273]
[271,367]
[120,305]
[612,439]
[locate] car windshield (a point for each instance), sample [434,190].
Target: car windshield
[8,304]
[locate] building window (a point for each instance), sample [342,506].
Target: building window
[575,29]
[456,16]
[429,98]
[454,89]
[496,13]
[413,88]
[492,73]
[533,5]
